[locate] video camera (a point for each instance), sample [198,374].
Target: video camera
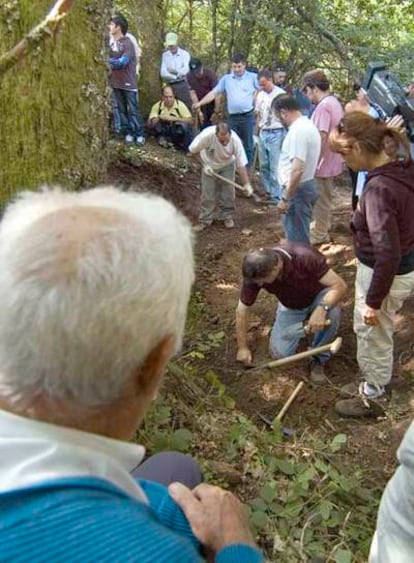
[384,90]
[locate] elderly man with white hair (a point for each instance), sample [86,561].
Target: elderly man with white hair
[94,288]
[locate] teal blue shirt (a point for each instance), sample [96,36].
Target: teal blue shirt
[89,519]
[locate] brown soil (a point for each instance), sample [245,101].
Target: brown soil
[371,443]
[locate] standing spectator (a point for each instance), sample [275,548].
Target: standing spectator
[383,231]
[123,81]
[221,152]
[326,116]
[175,65]
[201,80]
[360,103]
[170,121]
[297,166]
[279,76]
[113,45]
[240,87]
[271,135]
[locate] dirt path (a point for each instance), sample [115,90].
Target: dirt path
[371,444]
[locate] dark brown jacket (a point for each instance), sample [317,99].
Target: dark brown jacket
[383,227]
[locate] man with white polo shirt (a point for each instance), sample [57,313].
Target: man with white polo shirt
[297,166]
[221,152]
[271,135]
[240,87]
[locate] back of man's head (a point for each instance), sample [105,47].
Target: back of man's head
[286,102]
[91,283]
[258,264]
[316,79]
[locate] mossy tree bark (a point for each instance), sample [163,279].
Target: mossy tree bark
[54,103]
[146,20]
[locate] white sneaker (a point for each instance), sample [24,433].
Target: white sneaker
[129,139]
[140,141]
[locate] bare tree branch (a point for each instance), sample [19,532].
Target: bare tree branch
[38,35]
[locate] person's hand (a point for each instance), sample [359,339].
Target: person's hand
[244,355]
[217,518]
[396,122]
[370,316]
[248,190]
[283,206]
[317,320]
[208,171]
[196,106]
[172,71]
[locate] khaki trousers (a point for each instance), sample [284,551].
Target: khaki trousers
[217,197]
[375,344]
[322,210]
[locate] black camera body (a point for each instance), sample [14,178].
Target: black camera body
[384,90]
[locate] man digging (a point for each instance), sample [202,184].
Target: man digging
[308,292]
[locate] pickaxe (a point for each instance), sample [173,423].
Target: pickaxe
[333,348]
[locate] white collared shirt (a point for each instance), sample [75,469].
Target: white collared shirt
[34,452]
[180,62]
[263,107]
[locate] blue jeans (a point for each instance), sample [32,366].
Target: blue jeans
[243,125]
[270,144]
[116,119]
[297,220]
[129,114]
[286,332]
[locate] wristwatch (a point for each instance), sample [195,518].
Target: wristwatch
[325,307]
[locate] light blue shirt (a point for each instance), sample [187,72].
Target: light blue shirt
[239,91]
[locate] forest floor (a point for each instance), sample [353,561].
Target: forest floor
[367,447]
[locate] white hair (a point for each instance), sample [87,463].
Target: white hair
[90,283]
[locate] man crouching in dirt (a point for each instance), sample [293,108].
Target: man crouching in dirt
[308,292]
[221,153]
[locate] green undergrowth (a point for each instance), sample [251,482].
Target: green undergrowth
[304,503]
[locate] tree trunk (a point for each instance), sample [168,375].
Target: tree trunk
[148,18]
[53,103]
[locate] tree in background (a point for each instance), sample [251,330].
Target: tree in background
[53,102]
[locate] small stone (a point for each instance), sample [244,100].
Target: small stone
[246,232]
[226,471]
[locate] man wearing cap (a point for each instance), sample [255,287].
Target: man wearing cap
[308,292]
[175,65]
[240,87]
[271,135]
[221,152]
[326,116]
[201,80]
[279,76]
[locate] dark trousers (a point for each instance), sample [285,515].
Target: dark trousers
[208,111]
[243,125]
[182,92]
[129,114]
[180,134]
[169,467]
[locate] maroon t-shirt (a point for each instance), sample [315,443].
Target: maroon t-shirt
[303,267]
[124,78]
[202,84]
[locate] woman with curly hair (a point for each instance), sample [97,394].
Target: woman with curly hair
[383,232]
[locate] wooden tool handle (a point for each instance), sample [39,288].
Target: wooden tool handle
[292,397]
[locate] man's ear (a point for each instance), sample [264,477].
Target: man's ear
[148,377]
